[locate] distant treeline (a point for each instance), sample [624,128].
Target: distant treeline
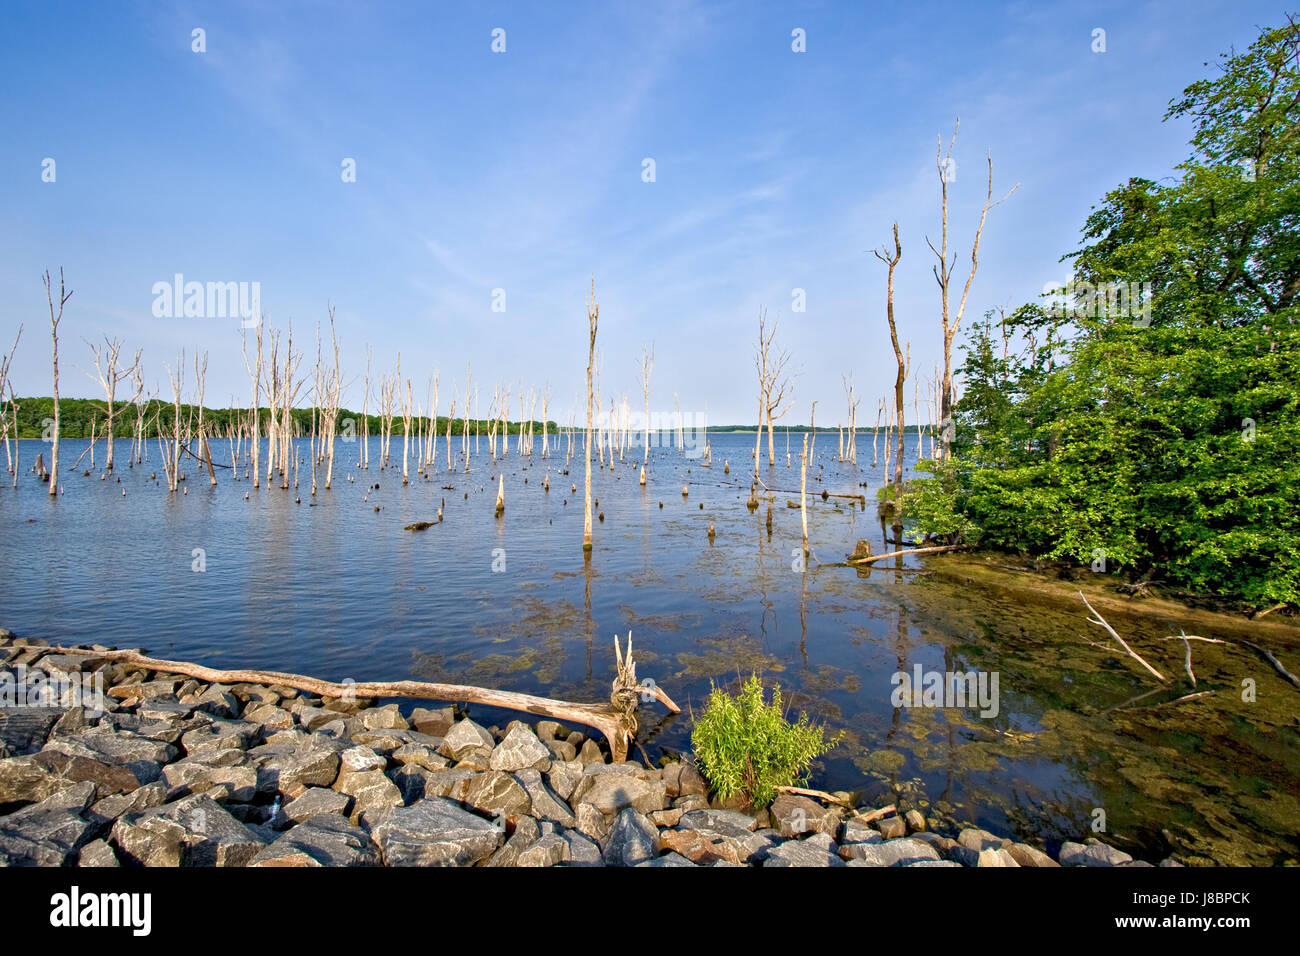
[76,416]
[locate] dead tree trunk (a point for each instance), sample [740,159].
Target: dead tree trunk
[892,260]
[55,318]
[593,315]
[943,274]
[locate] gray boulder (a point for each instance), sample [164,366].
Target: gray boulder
[324,840]
[315,801]
[519,750]
[434,832]
[632,839]
[193,831]
[1097,854]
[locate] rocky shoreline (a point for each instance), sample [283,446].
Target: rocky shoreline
[178,772]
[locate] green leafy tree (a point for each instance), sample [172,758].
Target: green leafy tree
[1163,443]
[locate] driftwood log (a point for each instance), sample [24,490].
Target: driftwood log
[616,719]
[869,559]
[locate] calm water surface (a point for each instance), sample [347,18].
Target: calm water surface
[334,588]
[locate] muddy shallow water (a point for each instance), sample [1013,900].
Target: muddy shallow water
[339,590]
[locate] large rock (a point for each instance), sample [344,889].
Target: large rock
[690,782]
[1097,854]
[632,839]
[107,810]
[24,730]
[324,840]
[550,850]
[436,723]
[216,700]
[731,822]
[890,853]
[545,804]
[976,839]
[1026,855]
[370,790]
[419,755]
[315,801]
[292,768]
[215,772]
[527,832]
[388,717]
[795,816]
[701,846]
[453,784]
[145,690]
[997,858]
[582,851]
[592,823]
[360,759]
[164,709]
[611,792]
[498,793]
[194,831]
[221,735]
[143,756]
[564,777]
[97,853]
[855,831]
[891,828]
[816,851]
[269,716]
[520,750]
[50,832]
[27,780]
[463,737]
[434,832]
[412,783]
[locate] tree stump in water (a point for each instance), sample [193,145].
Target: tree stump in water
[862,550]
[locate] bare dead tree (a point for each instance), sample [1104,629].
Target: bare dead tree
[891,260]
[944,268]
[464,436]
[11,411]
[546,411]
[775,386]
[109,370]
[255,372]
[593,315]
[172,460]
[55,318]
[333,399]
[200,382]
[647,366]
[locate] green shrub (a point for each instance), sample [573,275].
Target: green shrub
[745,745]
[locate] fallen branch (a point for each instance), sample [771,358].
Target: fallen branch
[1268,656]
[1101,621]
[898,554]
[876,814]
[1261,651]
[1188,663]
[817,795]
[616,719]
[1179,700]
[1275,607]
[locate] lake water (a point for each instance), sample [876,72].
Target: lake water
[335,589]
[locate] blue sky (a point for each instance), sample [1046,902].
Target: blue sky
[522,171]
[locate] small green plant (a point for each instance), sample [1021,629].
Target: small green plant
[745,745]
